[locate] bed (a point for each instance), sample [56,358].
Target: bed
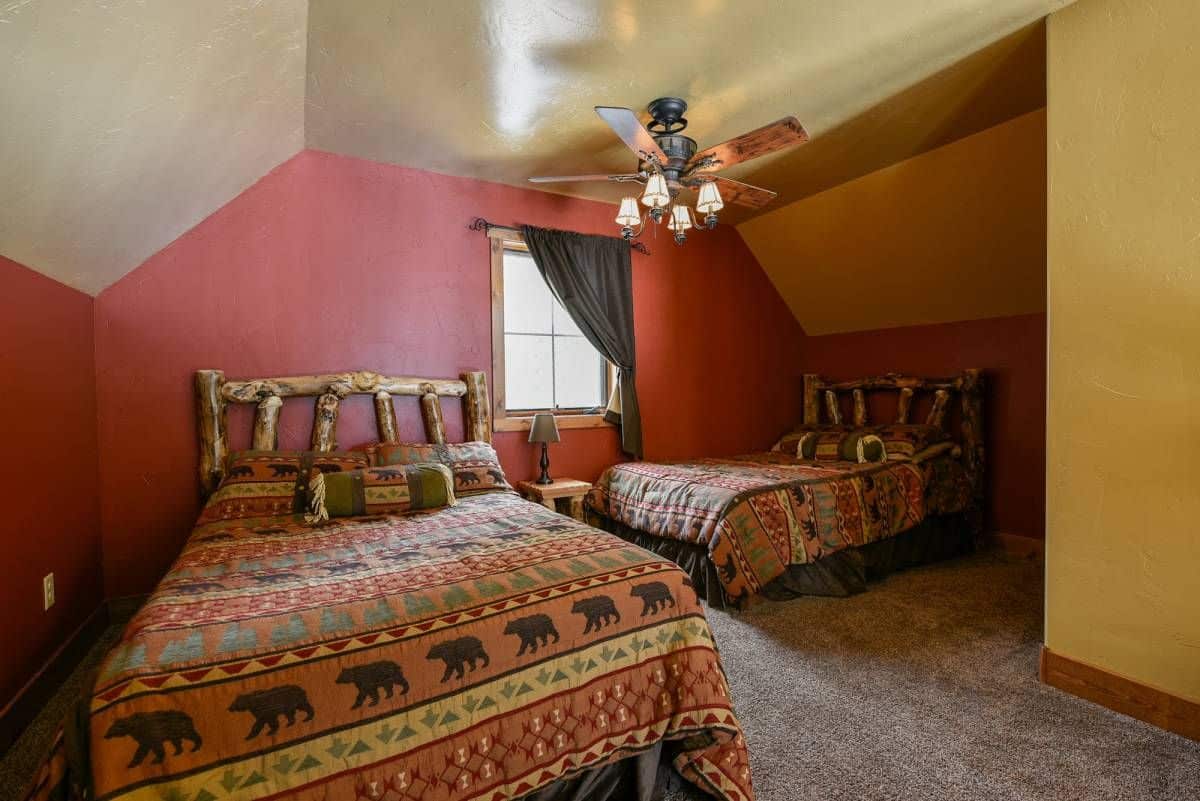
[491,649]
[775,525]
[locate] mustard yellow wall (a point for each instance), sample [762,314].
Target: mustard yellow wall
[1123,462]
[957,233]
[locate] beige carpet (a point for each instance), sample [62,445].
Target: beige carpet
[925,688]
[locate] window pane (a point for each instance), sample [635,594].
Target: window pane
[528,303]
[528,372]
[563,324]
[578,373]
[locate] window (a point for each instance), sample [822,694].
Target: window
[540,359]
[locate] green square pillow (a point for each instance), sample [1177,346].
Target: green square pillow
[394,489]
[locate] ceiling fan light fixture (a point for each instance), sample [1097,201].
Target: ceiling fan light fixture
[680,222]
[656,196]
[628,216]
[709,201]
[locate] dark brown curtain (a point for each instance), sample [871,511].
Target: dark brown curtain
[592,278]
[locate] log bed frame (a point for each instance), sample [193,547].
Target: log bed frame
[214,393]
[969,386]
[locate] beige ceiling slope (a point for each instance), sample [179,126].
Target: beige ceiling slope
[504,89]
[125,123]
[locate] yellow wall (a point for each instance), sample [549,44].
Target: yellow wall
[1123,462]
[957,233]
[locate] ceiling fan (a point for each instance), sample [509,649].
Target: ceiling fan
[668,163]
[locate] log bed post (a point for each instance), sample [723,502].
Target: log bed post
[266,424]
[431,414]
[214,436]
[812,399]
[478,419]
[385,417]
[974,452]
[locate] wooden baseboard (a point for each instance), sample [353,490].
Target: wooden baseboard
[1019,546]
[1121,694]
[30,699]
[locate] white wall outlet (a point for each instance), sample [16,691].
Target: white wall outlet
[47,591]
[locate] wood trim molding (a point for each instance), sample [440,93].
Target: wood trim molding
[1121,694]
[1020,546]
[563,421]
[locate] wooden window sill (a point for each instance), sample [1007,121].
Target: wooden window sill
[563,421]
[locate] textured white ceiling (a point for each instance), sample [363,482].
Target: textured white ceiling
[127,122]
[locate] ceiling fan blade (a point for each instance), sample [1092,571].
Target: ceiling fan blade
[627,126]
[767,139]
[550,179]
[743,194]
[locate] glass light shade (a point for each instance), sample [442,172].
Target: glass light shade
[656,196]
[710,199]
[681,218]
[628,215]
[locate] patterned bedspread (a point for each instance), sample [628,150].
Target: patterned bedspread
[477,652]
[761,512]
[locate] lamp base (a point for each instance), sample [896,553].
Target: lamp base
[544,478]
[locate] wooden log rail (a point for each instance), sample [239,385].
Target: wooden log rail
[214,393]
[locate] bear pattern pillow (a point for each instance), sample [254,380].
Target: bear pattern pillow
[789,441]
[271,483]
[393,489]
[903,440]
[475,466]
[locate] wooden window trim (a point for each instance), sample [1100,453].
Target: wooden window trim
[502,419]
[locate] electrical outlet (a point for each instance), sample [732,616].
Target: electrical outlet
[47,591]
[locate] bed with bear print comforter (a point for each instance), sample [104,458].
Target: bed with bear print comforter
[483,651]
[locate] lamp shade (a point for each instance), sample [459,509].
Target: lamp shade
[656,196]
[544,428]
[681,218]
[628,215]
[709,201]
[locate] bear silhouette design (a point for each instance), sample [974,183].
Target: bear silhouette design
[655,597]
[370,679]
[327,467]
[241,471]
[467,478]
[599,611]
[267,705]
[272,578]
[281,470]
[346,567]
[531,630]
[497,476]
[150,730]
[387,473]
[457,654]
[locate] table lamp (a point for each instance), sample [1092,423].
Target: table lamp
[544,430]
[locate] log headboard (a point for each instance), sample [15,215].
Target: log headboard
[968,385]
[214,393]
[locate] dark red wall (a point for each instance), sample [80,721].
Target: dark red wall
[330,263]
[50,517]
[1013,351]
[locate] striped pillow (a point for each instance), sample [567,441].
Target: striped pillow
[271,483]
[475,465]
[380,490]
[904,440]
[789,441]
[842,446]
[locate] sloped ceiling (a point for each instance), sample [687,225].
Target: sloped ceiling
[127,122]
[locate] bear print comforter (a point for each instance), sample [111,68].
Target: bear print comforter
[477,652]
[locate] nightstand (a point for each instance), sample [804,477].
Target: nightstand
[561,489]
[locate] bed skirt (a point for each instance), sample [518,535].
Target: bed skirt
[839,574]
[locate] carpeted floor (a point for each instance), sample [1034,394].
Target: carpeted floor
[924,688]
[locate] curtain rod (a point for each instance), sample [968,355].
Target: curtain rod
[480,224]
